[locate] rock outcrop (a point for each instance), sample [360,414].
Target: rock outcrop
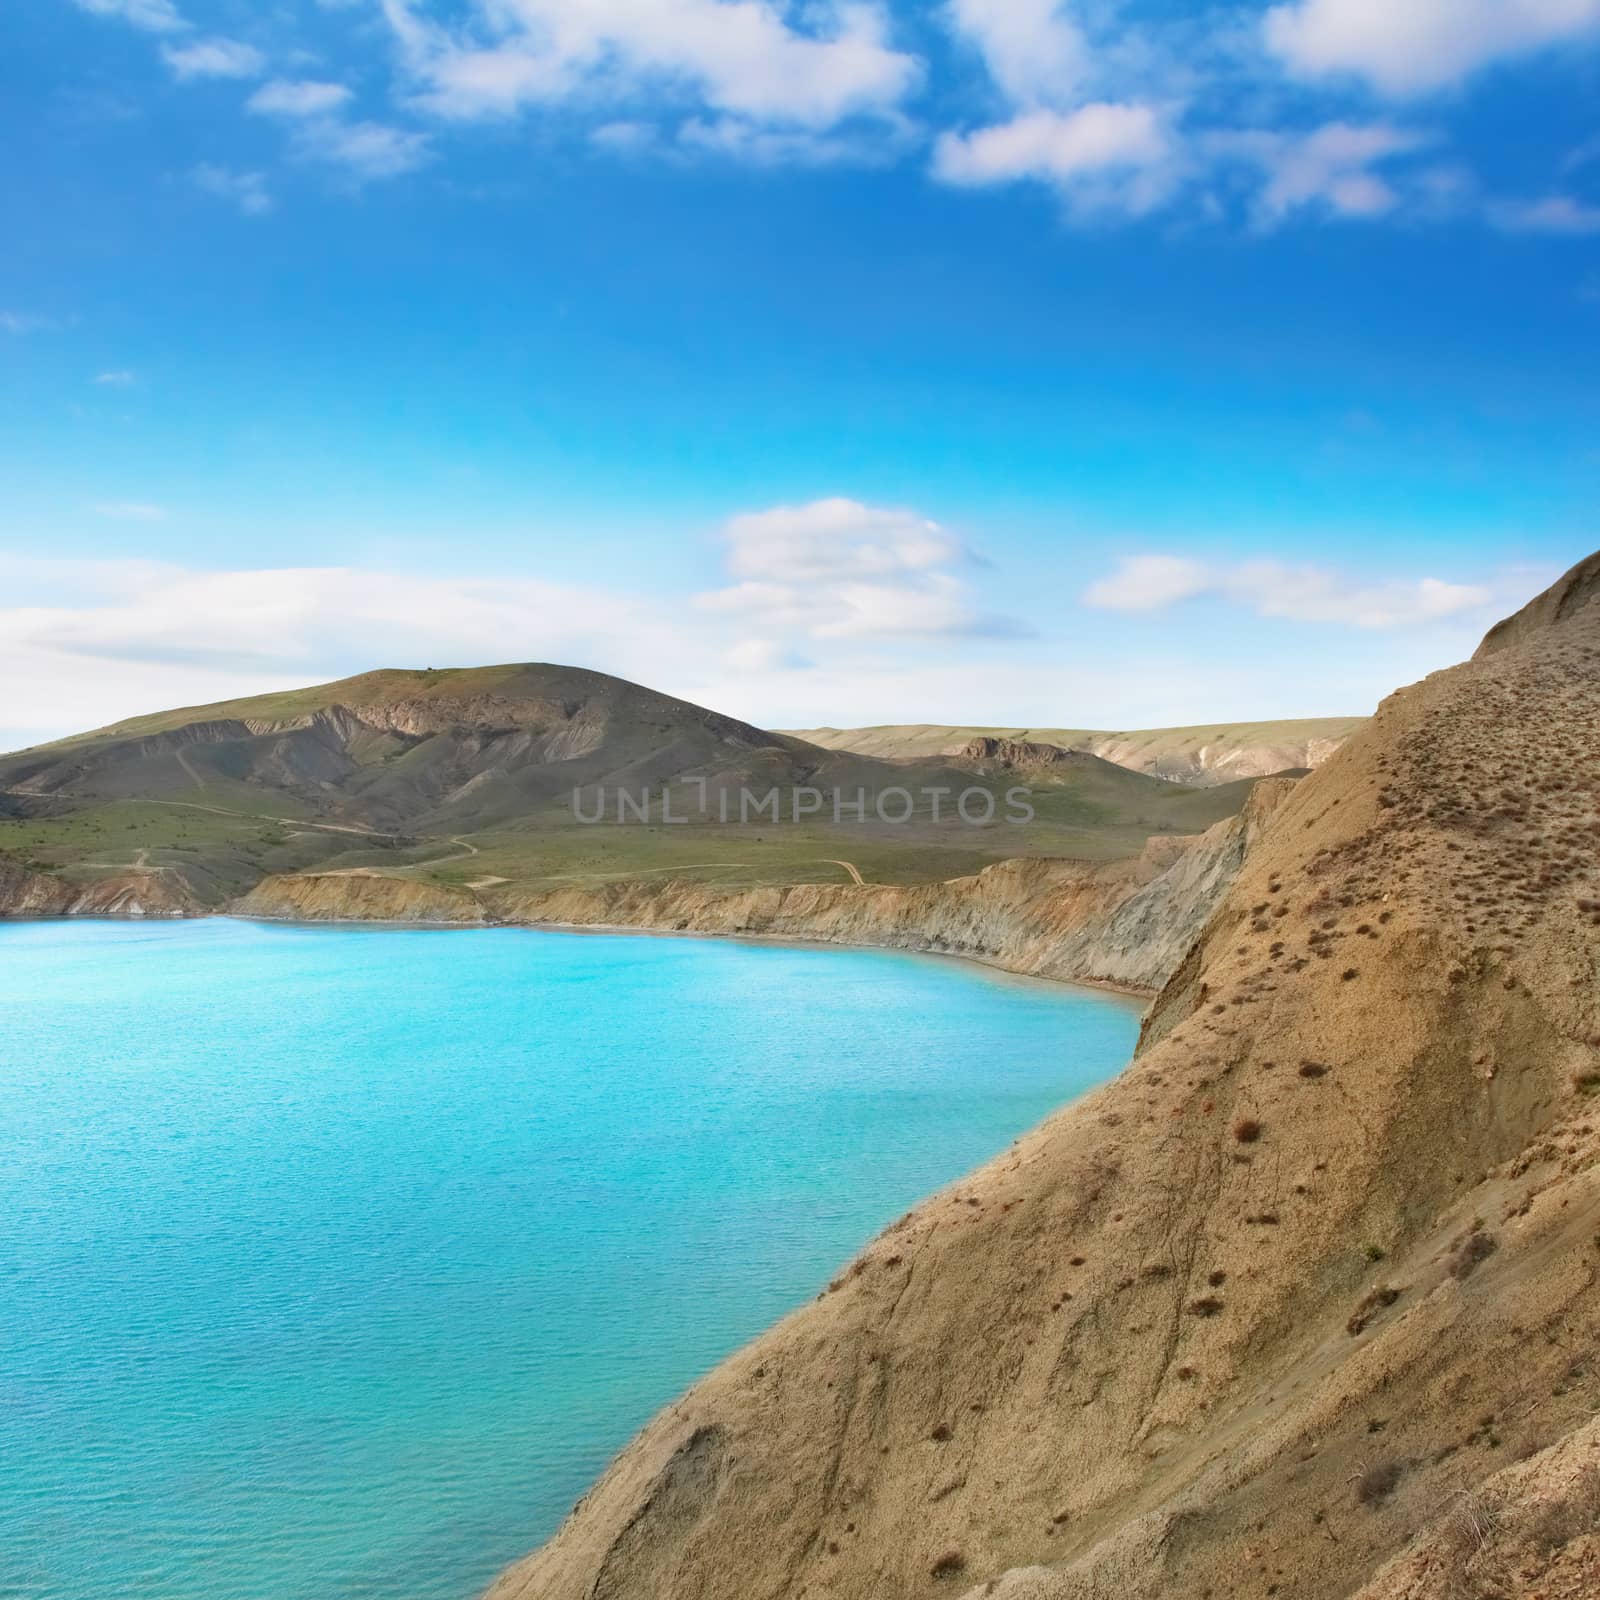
[1318,1269]
[24,893]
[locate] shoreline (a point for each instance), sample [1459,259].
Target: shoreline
[1143,998]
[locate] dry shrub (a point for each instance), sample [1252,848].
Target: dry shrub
[1473,1250]
[1247,1130]
[1377,1482]
[1369,1306]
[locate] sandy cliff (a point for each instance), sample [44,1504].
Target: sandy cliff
[1303,1304]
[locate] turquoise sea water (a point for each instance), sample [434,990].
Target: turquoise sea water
[336,1263]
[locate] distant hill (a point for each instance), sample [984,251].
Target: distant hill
[1215,753]
[466,775]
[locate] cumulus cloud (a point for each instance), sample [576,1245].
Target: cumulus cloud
[744,58]
[1407,47]
[1280,590]
[247,190]
[300,98]
[837,569]
[1033,49]
[213,58]
[1053,145]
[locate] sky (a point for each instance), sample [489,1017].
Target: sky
[1100,363]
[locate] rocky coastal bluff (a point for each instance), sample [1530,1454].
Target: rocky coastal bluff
[1302,1303]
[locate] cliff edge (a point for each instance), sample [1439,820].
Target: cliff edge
[1303,1303]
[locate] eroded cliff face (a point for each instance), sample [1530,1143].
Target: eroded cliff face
[1315,1273]
[135,894]
[1128,924]
[357,897]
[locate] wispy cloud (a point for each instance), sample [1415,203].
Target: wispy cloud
[213,58]
[116,378]
[1556,214]
[1335,168]
[154,16]
[247,190]
[300,98]
[362,150]
[1147,584]
[131,511]
[20,322]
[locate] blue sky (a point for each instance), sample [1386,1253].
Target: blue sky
[1010,361]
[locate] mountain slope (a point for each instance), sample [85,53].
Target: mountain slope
[1210,754]
[1313,1274]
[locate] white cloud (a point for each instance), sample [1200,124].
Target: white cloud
[302,98]
[737,139]
[1557,214]
[833,539]
[364,150]
[119,378]
[20,322]
[154,16]
[739,57]
[1148,583]
[247,190]
[838,569]
[1035,52]
[1073,150]
[624,137]
[213,58]
[1413,46]
[130,511]
[1331,167]
[1294,593]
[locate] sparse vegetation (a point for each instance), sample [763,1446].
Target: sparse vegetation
[1377,1482]
[1369,1306]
